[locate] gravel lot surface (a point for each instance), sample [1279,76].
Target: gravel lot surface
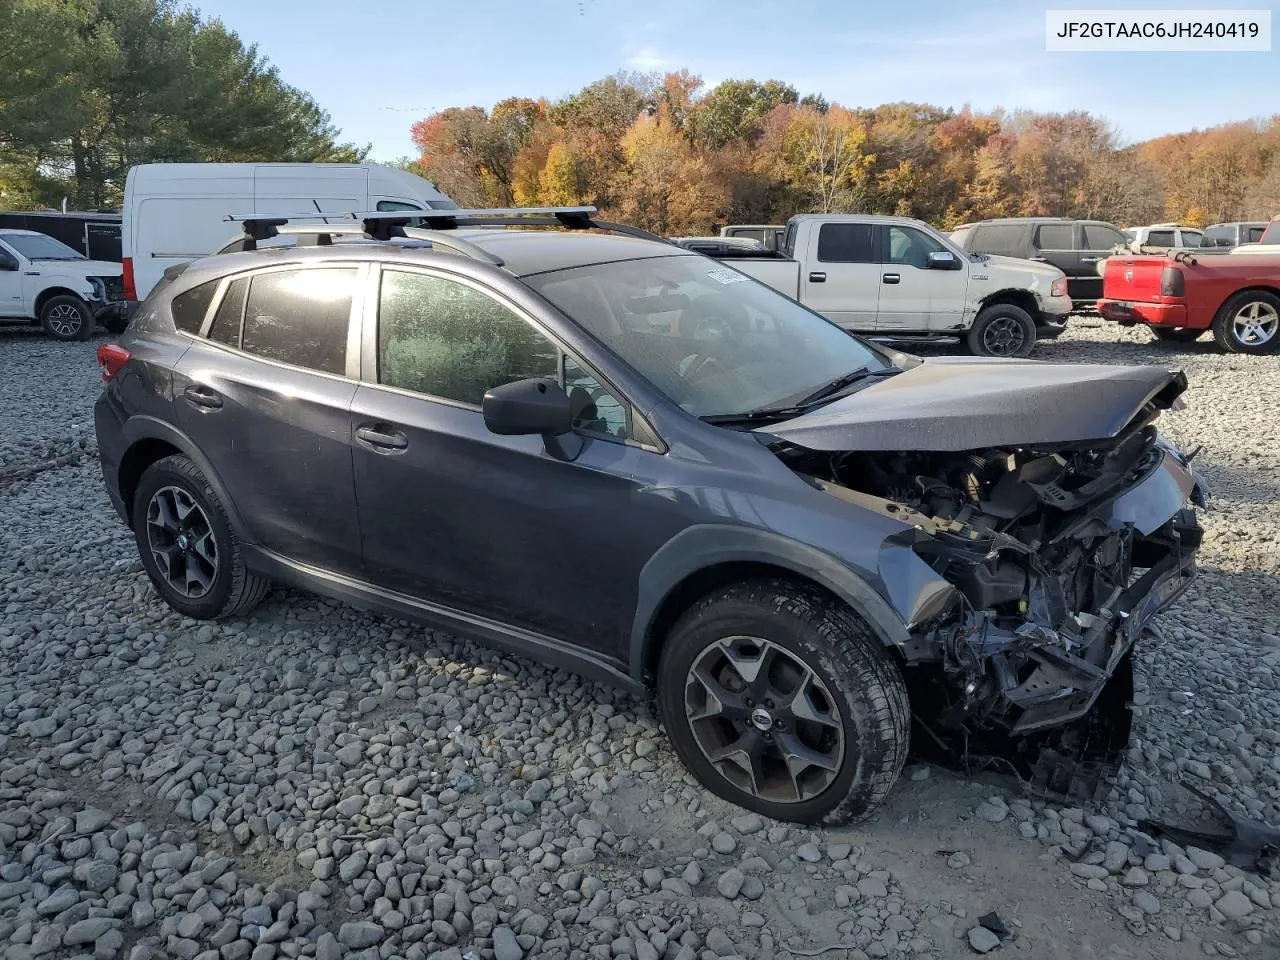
[315,781]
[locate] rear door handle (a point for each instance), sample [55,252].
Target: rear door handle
[1039,259]
[1090,259]
[202,396]
[892,277]
[382,437]
[817,278]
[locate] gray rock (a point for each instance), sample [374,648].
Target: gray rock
[723,843]
[91,820]
[872,887]
[958,860]
[991,813]
[359,934]
[809,853]
[1147,903]
[1205,859]
[730,883]
[61,899]
[747,823]
[505,945]
[983,940]
[1233,905]
[90,929]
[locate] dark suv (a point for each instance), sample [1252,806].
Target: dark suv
[1073,246]
[611,454]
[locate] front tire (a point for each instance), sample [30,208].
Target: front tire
[1249,323]
[66,318]
[781,700]
[1176,334]
[187,545]
[1002,330]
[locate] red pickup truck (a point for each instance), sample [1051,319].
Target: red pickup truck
[1181,295]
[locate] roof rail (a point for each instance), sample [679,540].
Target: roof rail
[384,226]
[380,225]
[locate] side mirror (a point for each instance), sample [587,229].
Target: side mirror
[536,405]
[9,265]
[943,260]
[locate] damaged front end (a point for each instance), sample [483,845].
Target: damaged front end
[1027,573]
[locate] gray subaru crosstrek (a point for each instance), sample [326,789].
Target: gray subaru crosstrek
[611,454]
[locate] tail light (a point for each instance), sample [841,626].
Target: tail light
[130,288]
[111,358]
[1172,282]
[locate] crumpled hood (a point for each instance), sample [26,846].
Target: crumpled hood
[968,403]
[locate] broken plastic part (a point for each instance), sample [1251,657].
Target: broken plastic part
[1248,844]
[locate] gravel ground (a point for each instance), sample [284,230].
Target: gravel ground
[315,781]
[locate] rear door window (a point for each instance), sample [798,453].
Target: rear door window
[997,239]
[300,317]
[846,243]
[1191,238]
[1159,238]
[1099,236]
[1054,236]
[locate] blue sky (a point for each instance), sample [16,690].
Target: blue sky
[379,65]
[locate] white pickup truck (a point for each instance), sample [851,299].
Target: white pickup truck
[895,278]
[44,281]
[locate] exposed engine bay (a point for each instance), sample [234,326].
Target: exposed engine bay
[1057,558]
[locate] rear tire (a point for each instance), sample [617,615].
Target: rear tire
[1176,334]
[1249,323]
[795,679]
[1002,330]
[66,318]
[187,545]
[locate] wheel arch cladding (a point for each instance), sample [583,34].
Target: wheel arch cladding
[706,557]
[148,440]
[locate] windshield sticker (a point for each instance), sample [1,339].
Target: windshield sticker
[726,276]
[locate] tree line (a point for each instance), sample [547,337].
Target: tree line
[662,152]
[89,88]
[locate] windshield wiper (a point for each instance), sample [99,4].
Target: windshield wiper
[806,403]
[833,387]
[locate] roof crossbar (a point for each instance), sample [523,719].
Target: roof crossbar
[259,227]
[572,218]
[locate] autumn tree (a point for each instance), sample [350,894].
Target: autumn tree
[733,109]
[667,185]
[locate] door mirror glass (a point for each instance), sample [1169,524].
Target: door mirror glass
[536,405]
[7,262]
[943,260]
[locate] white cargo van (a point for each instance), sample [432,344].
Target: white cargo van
[173,212]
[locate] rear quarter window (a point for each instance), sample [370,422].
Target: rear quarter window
[189,307]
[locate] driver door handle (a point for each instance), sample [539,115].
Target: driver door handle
[817,277]
[892,277]
[1090,259]
[382,437]
[1039,259]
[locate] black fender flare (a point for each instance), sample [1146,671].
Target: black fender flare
[703,546]
[139,428]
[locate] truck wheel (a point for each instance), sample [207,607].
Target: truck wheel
[1249,323]
[66,317]
[1176,334]
[781,700]
[1002,330]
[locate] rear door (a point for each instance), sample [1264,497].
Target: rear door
[266,393]
[913,295]
[1057,244]
[840,275]
[1097,240]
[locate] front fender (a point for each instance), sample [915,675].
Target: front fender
[704,546]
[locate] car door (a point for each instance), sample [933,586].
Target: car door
[840,277]
[265,392]
[1097,240]
[913,295]
[11,301]
[1056,244]
[492,527]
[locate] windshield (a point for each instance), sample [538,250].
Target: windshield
[713,340]
[36,246]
